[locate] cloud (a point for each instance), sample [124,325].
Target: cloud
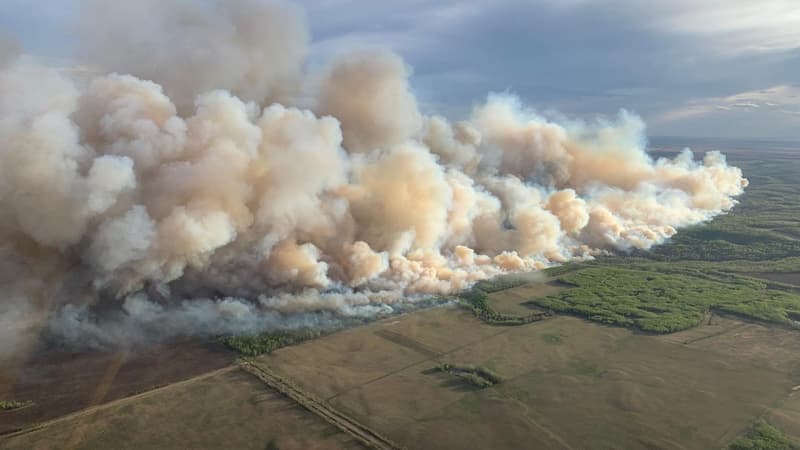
[776,96]
[733,27]
[745,114]
[588,56]
[744,105]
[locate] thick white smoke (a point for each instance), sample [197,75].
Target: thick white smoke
[184,180]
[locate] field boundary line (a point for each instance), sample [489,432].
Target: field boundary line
[120,401]
[345,423]
[715,334]
[416,363]
[407,342]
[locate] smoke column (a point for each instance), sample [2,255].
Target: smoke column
[202,182]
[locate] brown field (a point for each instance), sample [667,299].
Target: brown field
[568,383]
[786,415]
[59,383]
[773,348]
[225,409]
[750,343]
[512,301]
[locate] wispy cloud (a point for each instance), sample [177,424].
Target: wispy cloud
[734,27]
[744,105]
[777,105]
[776,99]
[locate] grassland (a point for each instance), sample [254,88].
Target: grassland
[58,383]
[567,383]
[228,409]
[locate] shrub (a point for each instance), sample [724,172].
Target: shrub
[763,436]
[479,377]
[7,405]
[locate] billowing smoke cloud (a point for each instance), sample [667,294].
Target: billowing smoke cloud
[173,195]
[368,93]
[253,48]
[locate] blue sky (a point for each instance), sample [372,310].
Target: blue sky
[718,68]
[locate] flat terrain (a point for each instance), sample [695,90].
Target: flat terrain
[568,383]
[514,301]
[59,383]
[227,409]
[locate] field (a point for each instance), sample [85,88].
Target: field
[224,409]
[692,345]
[61,383]
[567,383]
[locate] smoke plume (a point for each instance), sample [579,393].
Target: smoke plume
[192,187]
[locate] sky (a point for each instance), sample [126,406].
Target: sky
[695,68]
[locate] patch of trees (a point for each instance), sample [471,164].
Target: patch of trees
[267,342]
[500,283]
[477,300]
[479,377]
[763,436]
[663,299]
